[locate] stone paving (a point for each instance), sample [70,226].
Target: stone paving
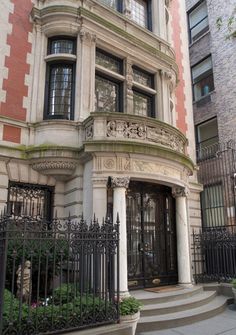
[224,323]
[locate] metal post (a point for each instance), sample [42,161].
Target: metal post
[3,263]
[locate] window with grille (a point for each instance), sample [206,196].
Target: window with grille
[59,92]
[212,202]
[140,12]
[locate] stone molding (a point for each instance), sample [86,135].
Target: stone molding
[178,191]
[120,182]
[140,131]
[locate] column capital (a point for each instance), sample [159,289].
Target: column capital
[120,182]
[178,191]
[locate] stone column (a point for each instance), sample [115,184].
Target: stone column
[99,197]
[119,185]
[182,232]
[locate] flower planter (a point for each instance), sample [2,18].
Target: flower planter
[132,320]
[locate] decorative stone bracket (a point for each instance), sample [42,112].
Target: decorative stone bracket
[58,168]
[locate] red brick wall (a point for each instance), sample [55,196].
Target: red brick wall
[11,133]
[16,62]
[180,95]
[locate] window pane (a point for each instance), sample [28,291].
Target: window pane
[110,3]
[197,14]
[203,87]
[62,46]
[142,77]
[142,104]
[198,21]
[60,91]
[203,82]
[106,95]
[139,12]
[109,62]
[201,68]
[212,202]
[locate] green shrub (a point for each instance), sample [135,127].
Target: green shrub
[129,306]
[233,282]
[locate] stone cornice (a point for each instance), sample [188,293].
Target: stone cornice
[139,148]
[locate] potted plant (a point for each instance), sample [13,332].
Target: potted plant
[234,289]
[130,312]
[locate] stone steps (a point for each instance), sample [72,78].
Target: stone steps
[178,305]
[177,308]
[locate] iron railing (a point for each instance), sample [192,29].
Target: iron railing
[57,276]
[217,174]
[214,255]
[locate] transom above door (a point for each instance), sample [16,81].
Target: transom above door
[151,235]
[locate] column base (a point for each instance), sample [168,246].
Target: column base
[186,285]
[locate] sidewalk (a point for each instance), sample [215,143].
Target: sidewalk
[224,323]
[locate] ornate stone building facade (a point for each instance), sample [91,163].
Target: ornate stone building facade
[93,121]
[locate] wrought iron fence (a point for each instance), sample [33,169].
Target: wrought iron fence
[217,173]
[214,255]
[57,275]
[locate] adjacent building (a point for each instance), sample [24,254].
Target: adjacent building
[212,49]
[96,117]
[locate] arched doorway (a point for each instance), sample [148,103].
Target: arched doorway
[151,235]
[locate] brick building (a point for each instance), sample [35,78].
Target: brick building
[92,120]
[213,67]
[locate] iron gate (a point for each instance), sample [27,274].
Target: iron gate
[151,236]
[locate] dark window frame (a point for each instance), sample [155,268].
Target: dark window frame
[49,192]
[209,72]
[61,37]
[120,100]
[206,193]
[147,95]
[119,60]
[212,148]
[50,66]
[206,29]
[135,67]
[149,15]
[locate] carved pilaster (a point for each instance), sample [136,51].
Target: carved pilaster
[129,77]
[120,182]
[178,191]
[87,36]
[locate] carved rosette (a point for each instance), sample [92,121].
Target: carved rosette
[178,191]
[120,182]
[59,169]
